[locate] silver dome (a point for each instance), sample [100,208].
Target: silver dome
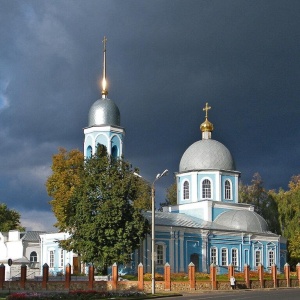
[242,220]
[206,154]
[104,112]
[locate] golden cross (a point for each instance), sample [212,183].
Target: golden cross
[104,43]
[206,109]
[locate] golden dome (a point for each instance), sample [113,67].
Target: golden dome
[206,126]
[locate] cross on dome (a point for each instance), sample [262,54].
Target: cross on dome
[104,90]
[206,109]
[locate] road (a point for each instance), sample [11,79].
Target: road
[265,294]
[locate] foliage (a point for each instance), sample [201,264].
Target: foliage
[171,196]
[104,225]
[67,169]
[289,212]
[263,201]
[9,219]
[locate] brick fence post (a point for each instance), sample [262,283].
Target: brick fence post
[287,274]
[192,278]
[230,270]
[298,273]
[2,275]
[261,275]
[68,277]
[45,276]
[140,277]
[114,276]
[213,276]
[274,275]
[167,277]
[91,277]
[247,275]
[23,276]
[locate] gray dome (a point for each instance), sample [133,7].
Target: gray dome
[206,154]
[242,220]
[104,112]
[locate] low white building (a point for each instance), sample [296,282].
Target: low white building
[55,257]
[21,248]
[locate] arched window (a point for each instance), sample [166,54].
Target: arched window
[257,257]
[228,190]
[51,259]
[213,256]
[89,152]
[271,258]
[160,254]
[206,189]
[186,190]
[224,257]
[114,151]
[33,256]
[234,257]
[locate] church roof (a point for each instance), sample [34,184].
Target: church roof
[206,154]
[184,220]
[243,220]
[104,112]
[32,236]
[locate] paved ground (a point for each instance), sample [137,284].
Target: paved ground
[261,294]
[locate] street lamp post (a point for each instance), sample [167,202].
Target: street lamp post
[158,176]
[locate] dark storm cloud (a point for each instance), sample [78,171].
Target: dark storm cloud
[165,59]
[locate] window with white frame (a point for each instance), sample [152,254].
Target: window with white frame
[61,257]
[51,259]
[160,254]
[257,257]
[234,257]
[228,189]
[186,190]
[271,258]
[33,256]
[206,189]
[224,257]
[213,256]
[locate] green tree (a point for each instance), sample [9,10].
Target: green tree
[171,196]
[105,225]
[9,219]
[289,216]
[263,201]
[66,175]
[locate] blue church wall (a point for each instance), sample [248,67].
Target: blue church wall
[212,179]
[193,245]
[115,146]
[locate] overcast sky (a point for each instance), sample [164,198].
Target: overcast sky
[165,60]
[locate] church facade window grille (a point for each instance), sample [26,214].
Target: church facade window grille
[206,189]
[224,257]
[234,257]
[160,254]
[271,258]
[61,257]
[33,256]
[257,258]
[213,256]
[228,190]
[186,190]
[51,259]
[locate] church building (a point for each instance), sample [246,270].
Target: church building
[208,224]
